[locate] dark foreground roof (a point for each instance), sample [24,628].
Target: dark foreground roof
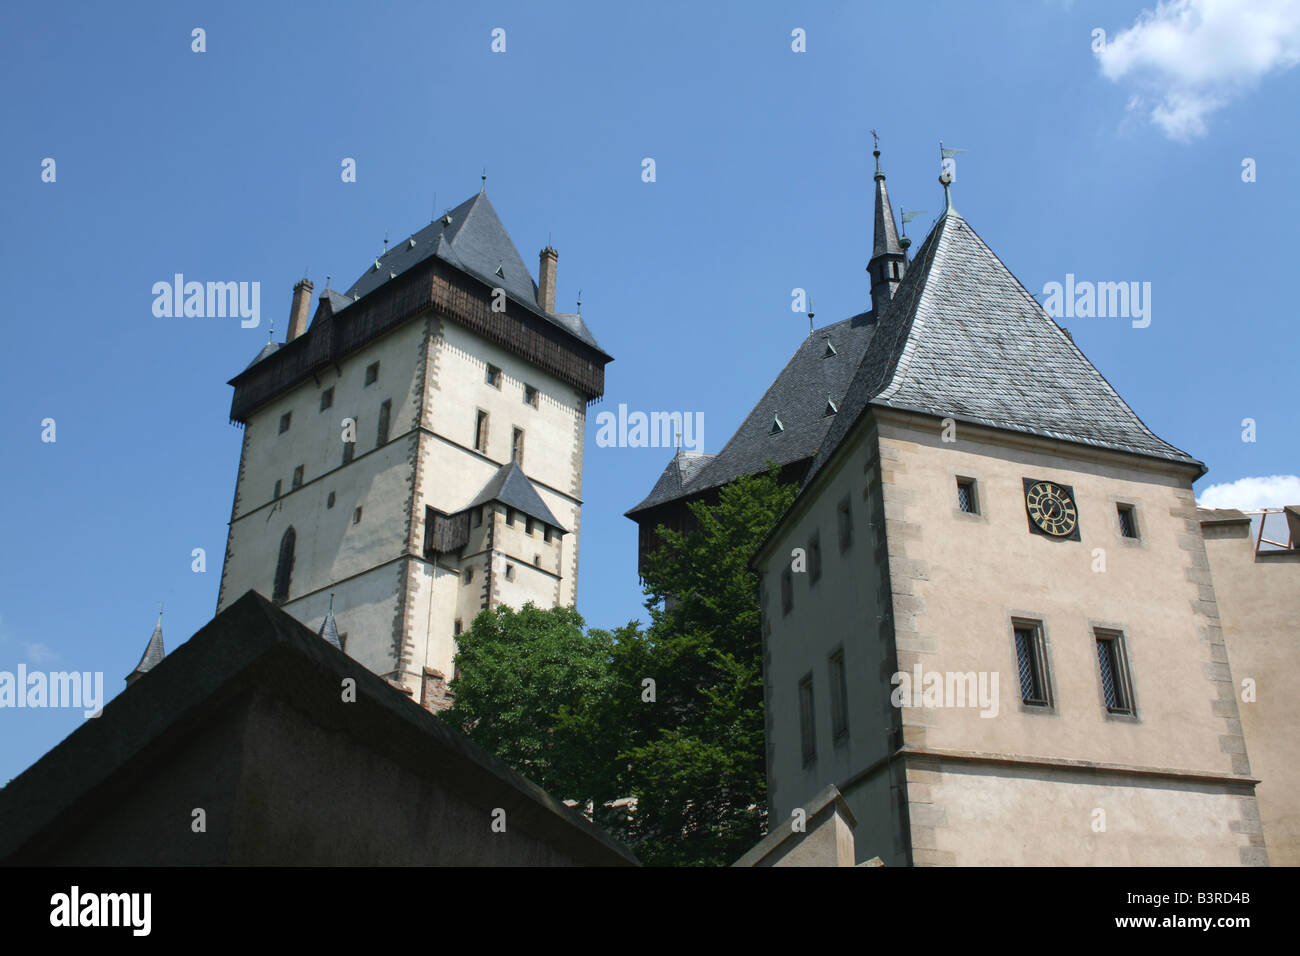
[511,487]
[249,720]
[819,372]
[963,339]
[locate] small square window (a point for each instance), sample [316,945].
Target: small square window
[297,477]
[493,376]
[807,721]
[966,500]
[1116,686]
[510,572]
[372,373]
[356,516]
[815,558]
[329,502]
[1031,662]
[844,513]
[787,590]
[277,488]
[327,399]
[284,422]
[1128,526]
[530,396]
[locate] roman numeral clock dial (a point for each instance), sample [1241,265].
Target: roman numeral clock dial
[1052,511]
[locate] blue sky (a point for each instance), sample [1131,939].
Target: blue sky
[1124,165]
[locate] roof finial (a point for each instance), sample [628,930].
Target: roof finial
[579,302]
[331,602]
[876,153]
[483,188]
[810,315]
[160,613]
[946,176]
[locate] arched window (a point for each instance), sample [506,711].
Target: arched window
[284,568]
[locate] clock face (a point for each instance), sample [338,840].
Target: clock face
[1051,508]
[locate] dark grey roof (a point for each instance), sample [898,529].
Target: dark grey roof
[269,349]
[885,235]
[153,651]
[473,240]
[329,630]
[962,338]
[798,397]
[337,300]
[511,487]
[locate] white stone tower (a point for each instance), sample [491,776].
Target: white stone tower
[417,451]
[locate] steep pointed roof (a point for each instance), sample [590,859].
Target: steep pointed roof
[885,234]
[473,238]
[269,349]
[963,339]
[798,398]
[153,653]
[511,487]
[329,629]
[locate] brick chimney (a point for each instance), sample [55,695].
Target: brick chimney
[546,279]
[298,316]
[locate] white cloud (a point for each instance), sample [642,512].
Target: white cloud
[1251,494]
[1195,56]
[39,653]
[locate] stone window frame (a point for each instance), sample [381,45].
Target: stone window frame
[1122,501]
[493,376]
[531,396]
[1018,619]
[1115,630]
[957,477]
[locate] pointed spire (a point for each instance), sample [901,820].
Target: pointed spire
[888,260]
[329,629]
[153,653]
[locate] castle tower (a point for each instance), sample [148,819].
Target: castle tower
[417,449]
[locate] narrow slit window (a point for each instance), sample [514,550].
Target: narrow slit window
[385,415]
[839,697]
[807,720]
[1031,664]
[481,431]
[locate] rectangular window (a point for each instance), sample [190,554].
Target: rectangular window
[1031,662]
[966,500]
[478,517]
[297,477]
[807,722]
[1116,685]
[510,517]
[350,447]
[839,697]
[528,527]
[1128,526]
[469,575]
[372,373]
[546,533]
[787,591]
[284,422]
[356,516]
[530,396]
[480,431]
[517,446]
[277,488]
[510,572]
[815,558]
[327,399]
[493,376]
[457,628]
[385,413]
[845,515]
[429,521]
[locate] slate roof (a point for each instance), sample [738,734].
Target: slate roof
[269,349]
[511,487]
[798,397]
[329,630]
[962,338]
[476,241]
[153,651]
